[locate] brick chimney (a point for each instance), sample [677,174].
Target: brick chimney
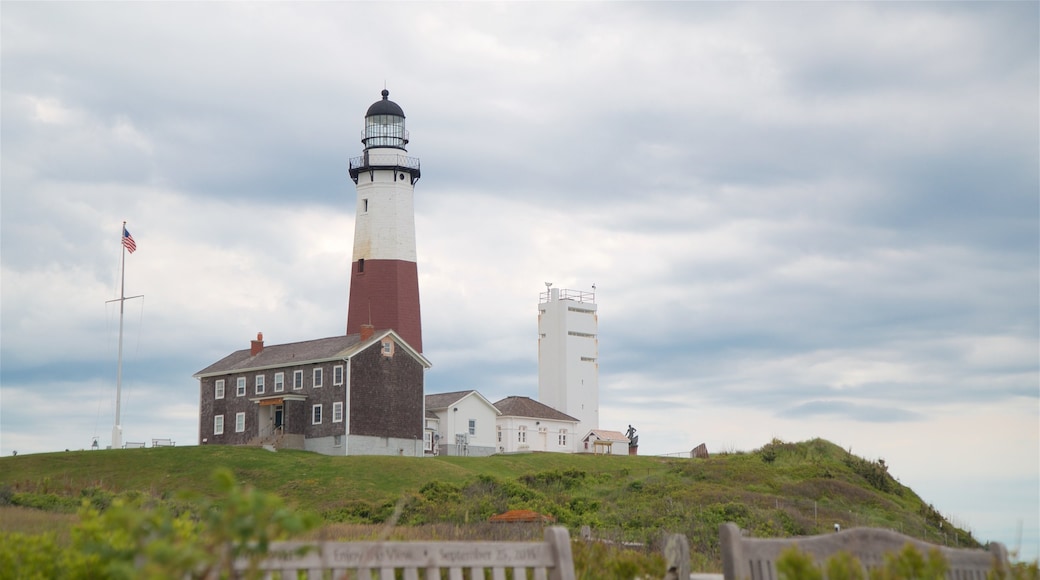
[367,330]
[257,346]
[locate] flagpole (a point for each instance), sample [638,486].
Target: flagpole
[127,242]
[117,429]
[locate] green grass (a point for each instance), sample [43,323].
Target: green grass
[781,489]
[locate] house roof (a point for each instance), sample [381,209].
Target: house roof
[298,353]
[528,407]
[604,435]
[441,401]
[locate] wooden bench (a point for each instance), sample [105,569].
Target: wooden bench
[546,560]
[133,445]
[162,443]
[755,558]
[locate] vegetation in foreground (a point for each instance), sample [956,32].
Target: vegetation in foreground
[906,564]
[782,489]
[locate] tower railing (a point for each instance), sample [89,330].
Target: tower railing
[378,160]
[373,161]
[576,295]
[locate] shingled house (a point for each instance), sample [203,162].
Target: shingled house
[359,394]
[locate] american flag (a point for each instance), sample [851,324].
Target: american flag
[128,241]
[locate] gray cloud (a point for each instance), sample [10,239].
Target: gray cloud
[801,218]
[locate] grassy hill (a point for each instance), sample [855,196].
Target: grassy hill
[781,489]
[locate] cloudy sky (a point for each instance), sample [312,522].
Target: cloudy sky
[802,220]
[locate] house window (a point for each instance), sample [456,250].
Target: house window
[472,426]
[259,384]
[563,437]
[316,415]
[218,424]
[499,429]
[521,435]
[337,441]
[240,387]
[337,412]
[388,347]
[218,389]
[240,422]
[297,380]
[317,377]
[337,375]
[279,382]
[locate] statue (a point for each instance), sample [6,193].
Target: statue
[633,439]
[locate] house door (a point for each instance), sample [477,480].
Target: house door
[279,417]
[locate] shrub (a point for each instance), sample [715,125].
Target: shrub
[602,561]
[6,495]
[132,539]
[556,479]
[906,564]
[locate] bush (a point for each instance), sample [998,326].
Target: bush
[131,539]
[906,564]
[601,561]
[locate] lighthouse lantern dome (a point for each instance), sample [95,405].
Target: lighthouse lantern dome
[384,125]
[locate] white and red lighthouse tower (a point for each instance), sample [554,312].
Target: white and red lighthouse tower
[384,280]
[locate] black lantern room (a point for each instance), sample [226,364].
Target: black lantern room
[384,125]
[384,129]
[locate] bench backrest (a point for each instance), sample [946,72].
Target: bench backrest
[546,560]
[755,558]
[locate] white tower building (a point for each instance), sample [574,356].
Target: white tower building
[568,355]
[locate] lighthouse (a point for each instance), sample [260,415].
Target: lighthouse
[568,354]
[384,279]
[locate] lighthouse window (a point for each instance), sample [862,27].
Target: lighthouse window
[361,266]
[384,131]
[364,206]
